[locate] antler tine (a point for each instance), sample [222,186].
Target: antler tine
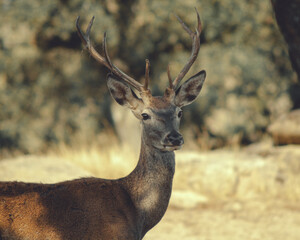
[117,71]
[85,38]
[195,49]
[185,27]
[170,78]
[147,75]
[106,56]
[86,41]
[199,24]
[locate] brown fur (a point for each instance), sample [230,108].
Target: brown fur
[159,102]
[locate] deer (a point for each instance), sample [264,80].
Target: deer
[125,208]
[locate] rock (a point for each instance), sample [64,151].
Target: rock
[241,175]
[286,129]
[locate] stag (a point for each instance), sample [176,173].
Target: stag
[125,208]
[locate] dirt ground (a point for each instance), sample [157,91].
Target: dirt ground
[245,195]
[220,223]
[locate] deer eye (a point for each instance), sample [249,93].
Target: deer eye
[180,114]
[145,116]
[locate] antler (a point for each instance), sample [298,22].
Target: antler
[195,50]
[105,60]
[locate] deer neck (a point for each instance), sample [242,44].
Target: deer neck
[150,183]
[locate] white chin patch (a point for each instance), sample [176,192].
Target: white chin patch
[171,148]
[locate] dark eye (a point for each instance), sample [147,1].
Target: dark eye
[145,116]
[180,114]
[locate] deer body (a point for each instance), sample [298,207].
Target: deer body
[102,209]
[89,208]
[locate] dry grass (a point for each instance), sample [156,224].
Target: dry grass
[104,157]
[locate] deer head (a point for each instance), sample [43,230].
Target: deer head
[160,115]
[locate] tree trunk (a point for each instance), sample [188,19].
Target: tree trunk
[287,14]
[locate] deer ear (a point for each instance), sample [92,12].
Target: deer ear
[190,89]
[124,95]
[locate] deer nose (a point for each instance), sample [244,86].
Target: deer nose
[175,138]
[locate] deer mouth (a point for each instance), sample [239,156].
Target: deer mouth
[171,147]
[171,144]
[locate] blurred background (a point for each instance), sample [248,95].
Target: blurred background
[54,100]
[53,92]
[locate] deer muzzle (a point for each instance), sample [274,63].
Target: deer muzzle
[173,141]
